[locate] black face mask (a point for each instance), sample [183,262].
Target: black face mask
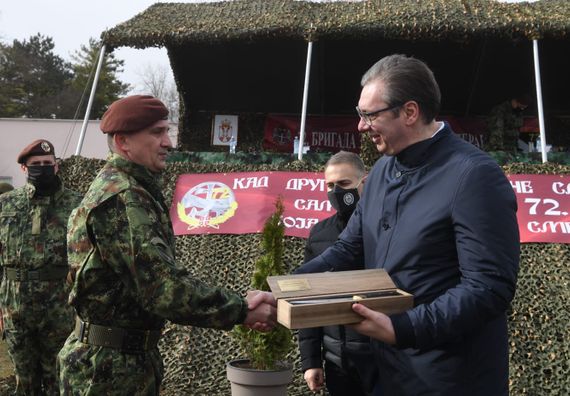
[42,177]
[343,200]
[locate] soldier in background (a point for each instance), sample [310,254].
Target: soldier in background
[127,282]
[35,317]
[504,124]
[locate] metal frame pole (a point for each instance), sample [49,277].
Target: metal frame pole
[90,103]
[539,101]
[305,96]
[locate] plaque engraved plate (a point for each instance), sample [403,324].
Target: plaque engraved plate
[289,285]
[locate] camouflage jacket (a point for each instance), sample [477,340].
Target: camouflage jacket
[503,126]
[33,228]
[121,247]
[32,237]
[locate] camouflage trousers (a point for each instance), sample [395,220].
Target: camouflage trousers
[93,370]
[34,336]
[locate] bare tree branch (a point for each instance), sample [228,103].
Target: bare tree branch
[157,80]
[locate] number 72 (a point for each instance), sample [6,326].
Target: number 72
[546,201]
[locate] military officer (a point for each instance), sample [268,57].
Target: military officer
[126,279]
[36,318]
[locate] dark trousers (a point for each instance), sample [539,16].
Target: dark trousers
[341,382]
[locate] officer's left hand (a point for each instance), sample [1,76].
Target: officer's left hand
[375,324]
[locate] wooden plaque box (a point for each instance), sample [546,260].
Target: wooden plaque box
[322,299]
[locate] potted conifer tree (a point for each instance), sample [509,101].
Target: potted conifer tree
[264,371]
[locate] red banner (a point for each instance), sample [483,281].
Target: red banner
[335,133]
[544,207]
[530,125]
[239,203]
[472,129]
[322,133]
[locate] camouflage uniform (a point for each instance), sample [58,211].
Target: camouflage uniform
[37,318]
[121,244]
[503,126]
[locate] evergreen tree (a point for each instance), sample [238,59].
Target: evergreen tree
[32,79]
[267,351]
[37,83]
[109,87]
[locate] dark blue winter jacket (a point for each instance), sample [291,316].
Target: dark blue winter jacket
[440,218]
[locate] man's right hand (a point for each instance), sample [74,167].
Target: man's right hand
[374,324]
[262,314]
[315,379]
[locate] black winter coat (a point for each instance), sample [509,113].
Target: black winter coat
[337,344]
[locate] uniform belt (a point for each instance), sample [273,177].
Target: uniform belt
[40,275]
[127,340]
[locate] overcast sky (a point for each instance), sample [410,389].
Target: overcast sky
[72,22]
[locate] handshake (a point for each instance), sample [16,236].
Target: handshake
[262,314]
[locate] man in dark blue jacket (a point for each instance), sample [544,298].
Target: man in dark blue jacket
[348,359]
[439,216]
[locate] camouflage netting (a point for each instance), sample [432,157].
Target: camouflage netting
[264,42]
[172,24]
[195,358]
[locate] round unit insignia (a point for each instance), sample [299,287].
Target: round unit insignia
[208,204]
[45,147]
[348,198]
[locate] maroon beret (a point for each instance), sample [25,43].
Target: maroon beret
[133,113]
[37,147]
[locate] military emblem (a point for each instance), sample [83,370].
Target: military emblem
[208,204]
[281,136]
[45,147]
[225,131]
[348,198]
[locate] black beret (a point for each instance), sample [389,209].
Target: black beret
[37,147]
[133,113]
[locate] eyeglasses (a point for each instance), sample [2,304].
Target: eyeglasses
[369,117]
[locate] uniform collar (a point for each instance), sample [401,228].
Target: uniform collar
[149,180]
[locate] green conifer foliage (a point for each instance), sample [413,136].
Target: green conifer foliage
[266,351]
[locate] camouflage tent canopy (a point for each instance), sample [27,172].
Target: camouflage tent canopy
[176,24]
[247,57]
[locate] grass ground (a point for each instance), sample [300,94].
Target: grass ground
[7,381]
[5,364]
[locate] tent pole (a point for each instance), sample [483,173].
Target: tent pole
[90,103]
[305,96]
[539,101]
[476,78]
